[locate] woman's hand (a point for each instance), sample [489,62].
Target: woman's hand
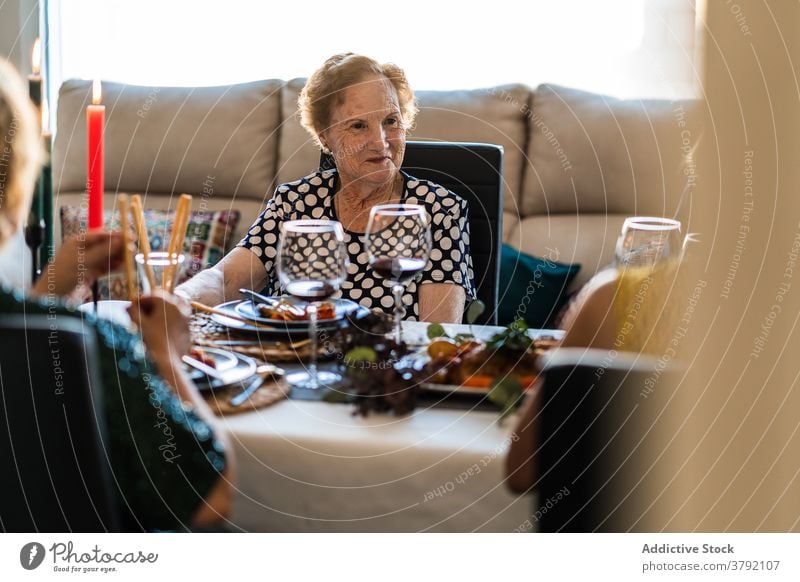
[221,283]
[164,322]
[81,260]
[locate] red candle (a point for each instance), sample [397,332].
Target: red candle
[95,120]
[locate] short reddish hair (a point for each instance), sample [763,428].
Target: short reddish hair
[326,86]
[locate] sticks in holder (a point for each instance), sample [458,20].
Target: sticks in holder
[130,272]
[174,249]
[176,240]
[144,241]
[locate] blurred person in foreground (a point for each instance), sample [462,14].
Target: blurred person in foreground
[620,310]
[185,484]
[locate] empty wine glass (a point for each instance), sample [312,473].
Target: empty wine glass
[646,241]
[398,243]
[312,265]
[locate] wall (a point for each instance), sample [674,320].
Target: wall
[19,27]
[739,434]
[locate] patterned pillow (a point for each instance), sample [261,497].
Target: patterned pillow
[207,240]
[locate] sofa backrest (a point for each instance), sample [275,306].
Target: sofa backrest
[593,160]
[217,143]
[576,163]
[591,153]
[173,139]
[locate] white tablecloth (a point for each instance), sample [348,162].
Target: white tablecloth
[313,466]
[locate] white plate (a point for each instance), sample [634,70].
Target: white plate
[243,368]
[279,329]
[247,310]
[223,361]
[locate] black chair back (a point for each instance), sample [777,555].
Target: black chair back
[474,171]
[600,441]
[53,462]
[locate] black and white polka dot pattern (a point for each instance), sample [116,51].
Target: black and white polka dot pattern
[312,197]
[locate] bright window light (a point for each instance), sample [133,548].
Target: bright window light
[621,47]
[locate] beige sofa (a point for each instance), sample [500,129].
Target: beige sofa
[576,163]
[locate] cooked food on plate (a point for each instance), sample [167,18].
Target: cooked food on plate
[465,361]
[287,311]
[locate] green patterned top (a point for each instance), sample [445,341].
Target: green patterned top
[164,458]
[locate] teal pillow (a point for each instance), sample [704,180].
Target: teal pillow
[532,288]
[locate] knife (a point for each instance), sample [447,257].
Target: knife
[256,298]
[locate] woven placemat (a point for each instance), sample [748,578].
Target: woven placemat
[270,392]
[208,333]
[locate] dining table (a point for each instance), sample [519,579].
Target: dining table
[315,466]
[304,464]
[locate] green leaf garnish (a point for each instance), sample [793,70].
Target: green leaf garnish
[506,393]
[513,337]
[436,330]
[359,355]
[336,395]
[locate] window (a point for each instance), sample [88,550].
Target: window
[620,47]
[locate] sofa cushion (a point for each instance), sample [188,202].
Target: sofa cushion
[510,221]
[532,288]
[174,139]
[588,239]
[495,115]
[248,208]
[208,238]
[298,155]
[593,153]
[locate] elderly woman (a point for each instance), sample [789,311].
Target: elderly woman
[170,460]
[358,110]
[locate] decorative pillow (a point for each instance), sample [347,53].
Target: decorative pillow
[207,240]
[533,288]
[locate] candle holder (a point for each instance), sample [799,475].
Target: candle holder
[159,263]
[34,237]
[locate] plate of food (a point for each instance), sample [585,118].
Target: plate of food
[466,365]
[212,368]
[292,312]
[245,316]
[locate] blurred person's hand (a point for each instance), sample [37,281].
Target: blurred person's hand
[81,259]
[163,320]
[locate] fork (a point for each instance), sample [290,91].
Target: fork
[261,373]
[256,298]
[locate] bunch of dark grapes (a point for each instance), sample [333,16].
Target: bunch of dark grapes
[370,364]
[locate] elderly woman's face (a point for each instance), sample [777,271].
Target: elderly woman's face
[366,133]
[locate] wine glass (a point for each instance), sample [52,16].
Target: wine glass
[312,265]
[646,241]
[398,243]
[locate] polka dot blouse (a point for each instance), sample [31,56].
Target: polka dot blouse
[313,196]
